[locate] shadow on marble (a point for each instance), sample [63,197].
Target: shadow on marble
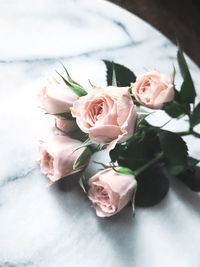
[68,183]
[19,264]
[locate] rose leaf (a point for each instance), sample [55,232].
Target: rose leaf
[77,89]
[137,151]
[177,107]
[195,117]
[114,78]
[175,150]
[152,187]
[191,178]
[68,76]
[83,158]
[124,75]
[187,92]
[83,183]
[173,109]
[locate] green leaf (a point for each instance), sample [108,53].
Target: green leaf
[83,158]
[77,89]
[114,78]
[93,147]
[195,117]
[177,97]
[182,62]
[191,178]
[176,109]
[173,109]
[83,183]
[187,92]
[192,162]
[175,150]
[174,169]
[69,77]
[152,187]
[124,75]
[139,151]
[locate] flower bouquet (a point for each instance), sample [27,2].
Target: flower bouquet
[115,119]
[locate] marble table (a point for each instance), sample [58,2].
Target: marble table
[55,226]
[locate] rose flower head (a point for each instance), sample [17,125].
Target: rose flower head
[107,115]
[58,157]
[56,97]
[153,89]
[111,191]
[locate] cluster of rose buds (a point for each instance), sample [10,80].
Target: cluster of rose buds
[108,116]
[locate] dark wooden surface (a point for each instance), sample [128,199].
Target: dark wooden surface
[175,19]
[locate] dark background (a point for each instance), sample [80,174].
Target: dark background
[178,19]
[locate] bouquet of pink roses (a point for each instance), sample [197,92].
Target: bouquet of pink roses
[115,118]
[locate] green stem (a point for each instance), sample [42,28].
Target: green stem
[195,134]
[183,133]
[149,163]
[191,131]
[191,128]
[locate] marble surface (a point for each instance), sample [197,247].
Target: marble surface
[43,226]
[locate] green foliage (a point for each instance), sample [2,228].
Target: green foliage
[152,186]
[183,98]
[114,78]
[124,76]
[83,158]
[195,117]
[192,162]
[69,77]
[177,107]
[174,109]
[83,183]
[191,178]
[75,87]
[175,151]
[141,148]
[187,91]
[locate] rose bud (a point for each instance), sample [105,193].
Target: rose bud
[153,89]
[56,98]
[59,156]
[107,115]
[111,191]
[66,126]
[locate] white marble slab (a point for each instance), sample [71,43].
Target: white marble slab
[55,226]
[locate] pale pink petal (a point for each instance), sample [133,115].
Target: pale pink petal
[57,157]
[104,134]
[111,191]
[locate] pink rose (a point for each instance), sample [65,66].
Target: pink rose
[65,125]
[107,115]
[56,98]
[111,191]
[153,89]
[58,155]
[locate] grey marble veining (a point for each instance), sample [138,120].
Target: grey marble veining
[55,226]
